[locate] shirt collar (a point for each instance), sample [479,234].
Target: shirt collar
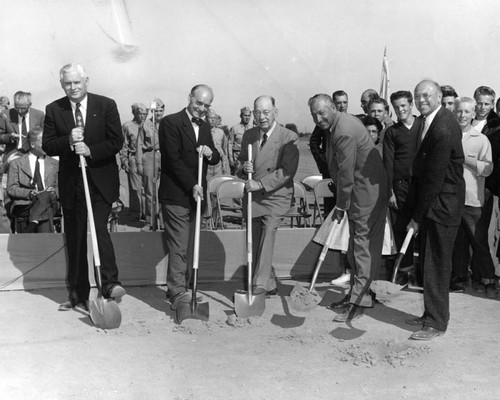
[268,133]
[431,116]
[83,104]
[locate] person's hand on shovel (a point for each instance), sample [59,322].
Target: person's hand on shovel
[251,185]
[206,151]
[412,225]
[338,215]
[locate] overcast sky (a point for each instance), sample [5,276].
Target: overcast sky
[135,50]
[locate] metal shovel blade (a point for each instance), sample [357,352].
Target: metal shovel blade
[246,307]
[189,311]
[302,299]
[105,313]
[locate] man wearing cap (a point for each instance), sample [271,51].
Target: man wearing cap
[236,136]
[149,160]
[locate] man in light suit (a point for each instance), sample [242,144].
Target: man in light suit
[183,136]
[273,163]
[34,193]
[357,170]
[17,122]
[87,124]
[438,201]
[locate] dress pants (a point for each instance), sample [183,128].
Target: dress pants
[469,235]
[75,228]
[179,238]
[134,187]
[263,235]
[147,181]
[436,248]
[364,254]
[400,219]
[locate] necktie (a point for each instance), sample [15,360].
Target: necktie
[37,177]
[264,140]
[79,116]
[420,132]
[24,133]
[197,121]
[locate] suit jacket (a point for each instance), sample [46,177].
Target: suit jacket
[274,166]
[439,189]
[492,132]
[103,135]
[10,125]
[20,177]
[317,144]
[356,167]
[179,159]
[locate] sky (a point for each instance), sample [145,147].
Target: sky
[136,50]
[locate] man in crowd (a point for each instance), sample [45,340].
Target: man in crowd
[18,122]
[478,165]
[4,103]
[183,136]
[488,123]
[236,136]
[449,96]
[438,198]
[274,162]
[32,187]
[357,170]
[340,100]
[85,124]
[379,109]
[366,96]
[149,162]
[128,159]
[399,148]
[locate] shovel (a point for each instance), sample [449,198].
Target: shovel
[383,288]
[306,300]
[246,304]
[104,313]
[193,309]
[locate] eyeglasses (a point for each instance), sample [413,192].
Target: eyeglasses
[266,113]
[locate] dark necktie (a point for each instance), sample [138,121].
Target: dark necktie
[197,121]
[264,140]
[79,116]
[420,131]
[37,177]
[24,133]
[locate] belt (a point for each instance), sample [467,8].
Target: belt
[147,151]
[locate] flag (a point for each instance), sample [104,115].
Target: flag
[385,87]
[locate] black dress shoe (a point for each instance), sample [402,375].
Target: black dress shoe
[66,306]
[457,287]
[427,333]
[337,305]
[117,292]
[271,293]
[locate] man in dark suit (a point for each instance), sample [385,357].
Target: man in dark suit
[275,159]
[87,124]
[182,137]
[438,201]
[357,170]
[17,122]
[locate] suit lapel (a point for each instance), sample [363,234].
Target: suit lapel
[14,119]
[67,115]
[189,127]
[25,166]
[270,145]
[91,116]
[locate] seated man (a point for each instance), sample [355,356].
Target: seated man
[32,187]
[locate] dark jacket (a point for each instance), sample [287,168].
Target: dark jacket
[492,132]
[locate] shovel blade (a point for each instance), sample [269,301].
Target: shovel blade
[302,299]
[184,311]
[105,313]
[245,308]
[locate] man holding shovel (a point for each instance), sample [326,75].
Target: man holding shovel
[357,170]
[275,160]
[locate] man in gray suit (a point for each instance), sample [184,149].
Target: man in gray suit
[357,170]
[274,162]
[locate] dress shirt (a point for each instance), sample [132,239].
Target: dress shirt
[428,121]
[32,158]
[195,125]
[268,133]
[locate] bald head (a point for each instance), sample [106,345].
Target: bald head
[366,96]
[427,97]
[200,100]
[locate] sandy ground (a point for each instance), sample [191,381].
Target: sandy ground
[284,354]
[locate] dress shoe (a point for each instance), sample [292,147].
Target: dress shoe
[416,321]
[117,292]
[271,293]
[184,297]
[82,306]
[342,280]
[337,305]
[349,313]
[457,287]
[427,333]
[478,287]
[66,306]
[491,291]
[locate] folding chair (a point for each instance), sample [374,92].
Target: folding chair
[211,214]
[321,190]
[300,206]
[230,189]
[309,182]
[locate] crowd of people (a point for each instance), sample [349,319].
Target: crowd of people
[435,174]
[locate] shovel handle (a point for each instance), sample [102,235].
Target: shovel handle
[249,234]
[196,250]
[401,253]
[322,255]
[90,213]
